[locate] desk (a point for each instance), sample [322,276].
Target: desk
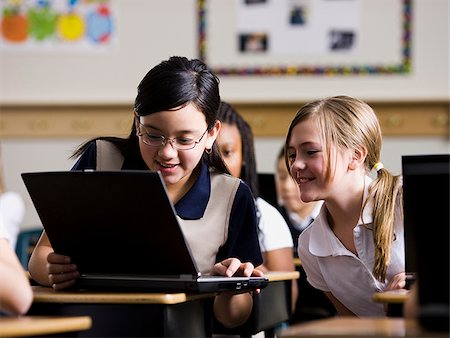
[119,314]
[271,307]
[339,327]
[36,325]
[277,276]
[391,297]
[394,300]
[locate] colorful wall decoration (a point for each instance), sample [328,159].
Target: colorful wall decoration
[305,37]
[38,24]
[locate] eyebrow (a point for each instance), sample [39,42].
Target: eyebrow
[159,130]
[306,144]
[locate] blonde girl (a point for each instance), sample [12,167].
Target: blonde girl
[355,247]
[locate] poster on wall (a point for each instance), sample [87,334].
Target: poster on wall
[56,25]
[315,37]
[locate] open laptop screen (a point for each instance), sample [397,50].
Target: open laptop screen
[426,216]
[122,232]
[111,221]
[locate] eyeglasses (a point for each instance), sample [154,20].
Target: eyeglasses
[179,143]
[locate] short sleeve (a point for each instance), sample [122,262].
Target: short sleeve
[274,232]
[310,262]
[88,160]
[3,233]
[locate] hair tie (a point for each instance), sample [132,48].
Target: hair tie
[377,166]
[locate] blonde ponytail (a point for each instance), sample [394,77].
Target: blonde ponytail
[387,193]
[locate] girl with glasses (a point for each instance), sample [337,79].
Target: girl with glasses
[174,128]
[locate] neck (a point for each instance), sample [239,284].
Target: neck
[178,190]
[345,211]
[306,210]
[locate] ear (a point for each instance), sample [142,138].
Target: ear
[212,134]
[358,158]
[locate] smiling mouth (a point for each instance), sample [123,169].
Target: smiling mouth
[303,180]
[167,165]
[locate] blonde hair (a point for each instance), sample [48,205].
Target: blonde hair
[349,123]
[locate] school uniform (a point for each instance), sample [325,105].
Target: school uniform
[273,230]
[12,212]
[217,215]
[331,267]
[296,223]
[3,233]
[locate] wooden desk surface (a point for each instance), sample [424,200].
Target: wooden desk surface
[275,276]
[42,325]
[44,294]
[359,327]
[391,297]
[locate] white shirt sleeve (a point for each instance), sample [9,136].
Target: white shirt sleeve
[12,212]
[273,230]
[3,233]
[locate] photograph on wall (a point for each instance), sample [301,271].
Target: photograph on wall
[317,37]
[56,25]
[253,43]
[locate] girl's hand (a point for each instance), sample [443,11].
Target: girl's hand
[233,308]
[234,267]
[397,282]
[61,272]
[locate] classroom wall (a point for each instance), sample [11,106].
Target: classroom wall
[149,31]
[152,30]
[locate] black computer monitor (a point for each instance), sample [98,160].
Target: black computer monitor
[426,218]
[267,188]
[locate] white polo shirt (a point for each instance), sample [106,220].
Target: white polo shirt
[329,266]
[12,212]
[273,231]
[3,233]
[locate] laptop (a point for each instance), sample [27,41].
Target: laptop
[121,230]
[426,216]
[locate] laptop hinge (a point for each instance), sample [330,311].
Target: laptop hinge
[189,276]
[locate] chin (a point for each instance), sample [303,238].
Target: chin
[307,199]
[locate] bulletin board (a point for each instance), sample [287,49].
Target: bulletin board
[313,37]
[397,51]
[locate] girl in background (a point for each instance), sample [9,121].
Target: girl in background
[235,142]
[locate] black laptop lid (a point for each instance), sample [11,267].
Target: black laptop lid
[426,216]
[116,222]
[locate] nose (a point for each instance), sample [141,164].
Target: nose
[168,140]
[298,163]
[296,166]
[167,149]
